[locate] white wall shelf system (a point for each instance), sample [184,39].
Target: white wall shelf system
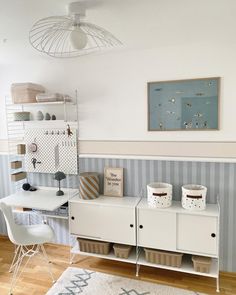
[45,208]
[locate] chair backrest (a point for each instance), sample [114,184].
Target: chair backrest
[13,229]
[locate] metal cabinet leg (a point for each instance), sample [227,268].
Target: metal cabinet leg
[218,284]
[137,270]
[72,256]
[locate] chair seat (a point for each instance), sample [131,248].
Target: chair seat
[36,234]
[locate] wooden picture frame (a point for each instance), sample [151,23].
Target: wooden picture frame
[189,105]
[113,182]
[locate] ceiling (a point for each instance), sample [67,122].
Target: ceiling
[139,24]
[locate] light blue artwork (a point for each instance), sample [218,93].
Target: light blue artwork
[183,105]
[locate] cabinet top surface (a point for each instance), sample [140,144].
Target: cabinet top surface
[211,209]
[108,201]
[43,199]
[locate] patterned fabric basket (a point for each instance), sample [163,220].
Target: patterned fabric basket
[89,185]
[159,194]
[194,197]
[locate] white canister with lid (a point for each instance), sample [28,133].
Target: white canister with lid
[159,194]
[194,197]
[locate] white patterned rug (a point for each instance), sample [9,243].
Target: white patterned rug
[75,281]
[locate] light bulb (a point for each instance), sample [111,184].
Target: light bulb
[78,38]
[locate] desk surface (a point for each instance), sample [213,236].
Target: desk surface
[43,199]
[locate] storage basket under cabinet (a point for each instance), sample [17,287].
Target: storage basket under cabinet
[91,246]
[163,257]
[122,251]
[202,264]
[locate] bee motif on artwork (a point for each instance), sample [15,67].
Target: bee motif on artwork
[188,104]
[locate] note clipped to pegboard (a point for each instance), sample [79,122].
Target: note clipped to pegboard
[49,150]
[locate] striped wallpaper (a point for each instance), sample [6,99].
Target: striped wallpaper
[220,179]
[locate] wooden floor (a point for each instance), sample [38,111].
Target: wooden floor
[36,281]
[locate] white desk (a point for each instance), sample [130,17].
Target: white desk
[43,199]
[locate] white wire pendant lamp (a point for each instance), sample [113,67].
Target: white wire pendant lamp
[68,36]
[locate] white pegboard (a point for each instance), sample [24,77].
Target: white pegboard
[56,151]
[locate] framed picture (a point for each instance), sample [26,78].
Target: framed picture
[113,182]
[184,105]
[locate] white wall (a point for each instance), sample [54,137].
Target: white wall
[163,40]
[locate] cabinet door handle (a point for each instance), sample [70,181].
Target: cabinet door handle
[213,235]
[72,217]
[141,226]
[131,225]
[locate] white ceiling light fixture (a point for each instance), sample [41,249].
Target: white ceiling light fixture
[68,36]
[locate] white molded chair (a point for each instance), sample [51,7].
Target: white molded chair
[28,240]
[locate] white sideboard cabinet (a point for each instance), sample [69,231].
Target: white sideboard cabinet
[131,221]
[105,218]
[197,234]
[156,230]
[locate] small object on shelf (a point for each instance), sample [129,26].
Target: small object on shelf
[21,116]
[194,197]
[47,117]
[22,209]
[91,246]
[21,149]
[202,264]
[39,116]
[34,161]
[122,251]
[33,147]
[54,117]
[59,176]
[159,194]
[18,176]
[69,132]
[32,189]
[163,257]
[16,164]
[25,92]
[26,186]
[113,181]
[63,209]
[49,97]
[88,185]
